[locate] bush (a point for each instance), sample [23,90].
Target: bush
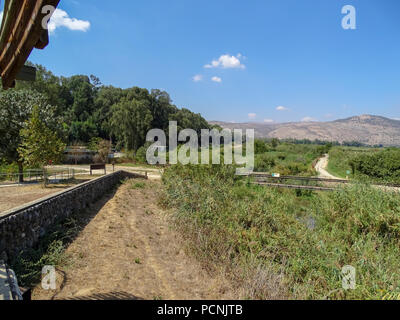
[260,146]
[298,242]
[141,155]
[264,163]
[384,165]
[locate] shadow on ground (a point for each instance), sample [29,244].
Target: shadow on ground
[107,297]
[50,249]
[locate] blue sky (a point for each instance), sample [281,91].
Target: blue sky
[292,54]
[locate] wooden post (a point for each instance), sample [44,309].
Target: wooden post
[44,177]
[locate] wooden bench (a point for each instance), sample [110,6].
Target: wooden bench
[97,167]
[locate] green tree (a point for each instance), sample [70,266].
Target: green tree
[187,119]
[84,108]
[260,146]
[102,148]
[130,122]
[40,145]
[105,99]
[275,142]
[15,109]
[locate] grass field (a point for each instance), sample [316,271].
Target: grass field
[288,244]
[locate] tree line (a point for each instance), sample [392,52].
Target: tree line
[80,108]
[90,109]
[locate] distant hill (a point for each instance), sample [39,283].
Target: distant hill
[367,129]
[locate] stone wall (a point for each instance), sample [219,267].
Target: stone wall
[22,227]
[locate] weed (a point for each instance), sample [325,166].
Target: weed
[277,244]
[138,185]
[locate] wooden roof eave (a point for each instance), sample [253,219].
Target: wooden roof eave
[21,31]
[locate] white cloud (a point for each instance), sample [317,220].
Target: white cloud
[252,116]
[268,121]
[227,62]
[216,79]
[197,78]
[308,119]
[281,108]
[1,16]
[60,18]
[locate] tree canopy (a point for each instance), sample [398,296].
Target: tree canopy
[87,109]
[40,145]
[16,107]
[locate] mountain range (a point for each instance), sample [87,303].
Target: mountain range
[366,129]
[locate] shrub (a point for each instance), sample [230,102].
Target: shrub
[298,242]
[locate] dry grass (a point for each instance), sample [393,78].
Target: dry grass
[128,246]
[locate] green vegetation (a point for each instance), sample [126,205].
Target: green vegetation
[87,109]
[340,157]
[50,251]
[39,146]
[366,164]
[279,243]
[138,185]
[383,166]
[81,111]
[287,158]
[15,109]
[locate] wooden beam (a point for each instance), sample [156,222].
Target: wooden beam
[21,32]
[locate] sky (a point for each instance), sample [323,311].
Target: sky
[237,61]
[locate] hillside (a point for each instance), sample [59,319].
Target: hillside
[367,129]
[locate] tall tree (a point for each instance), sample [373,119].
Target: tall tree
[15,109]
[130,122]
[40,145]
[107,97]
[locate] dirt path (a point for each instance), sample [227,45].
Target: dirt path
[128,250]
[321,166]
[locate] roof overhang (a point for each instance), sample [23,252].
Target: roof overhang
[21,31]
